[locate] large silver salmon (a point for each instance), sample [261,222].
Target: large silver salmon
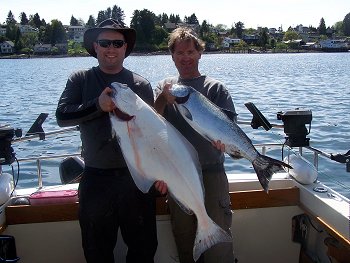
[213,124]
[154,150]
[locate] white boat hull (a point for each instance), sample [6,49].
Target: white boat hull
[261,226]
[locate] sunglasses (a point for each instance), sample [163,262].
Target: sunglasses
[107,43]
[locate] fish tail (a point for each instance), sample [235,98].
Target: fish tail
[206,238]
[265,167]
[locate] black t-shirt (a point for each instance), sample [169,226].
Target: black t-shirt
[78,105]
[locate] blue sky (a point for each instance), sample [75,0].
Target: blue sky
[266,13]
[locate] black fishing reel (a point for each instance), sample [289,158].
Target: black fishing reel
[7,154]
[295,126]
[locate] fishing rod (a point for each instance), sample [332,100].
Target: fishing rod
[8,134]
[36,130]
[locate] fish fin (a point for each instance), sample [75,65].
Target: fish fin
[265,167]
[143,183]
[184,208]
[206,238]
[236,155]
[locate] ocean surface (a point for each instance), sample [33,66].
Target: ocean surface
[319,82]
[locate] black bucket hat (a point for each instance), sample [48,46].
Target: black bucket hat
[91,35]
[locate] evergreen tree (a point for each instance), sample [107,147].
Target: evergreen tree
[118,14]
[143,22]
[34,20]
[91,22]
[18,41]
[164,18]
[322,29]
[192,20]
[263,38]
[101,17]
[11,31]
[10,18]
[174,19]
[239,28]
[108,13]
[24,19]
[204,29]
[43,22]
[73,21]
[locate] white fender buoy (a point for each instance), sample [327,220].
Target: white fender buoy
[303,171]
[6,187]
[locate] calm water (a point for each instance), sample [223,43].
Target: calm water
[273,82]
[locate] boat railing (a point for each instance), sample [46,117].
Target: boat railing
[39,133]
[264,148]
[38,160]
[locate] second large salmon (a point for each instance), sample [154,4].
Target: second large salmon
[213,124]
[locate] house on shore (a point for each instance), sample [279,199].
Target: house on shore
[48,49]
[7,48]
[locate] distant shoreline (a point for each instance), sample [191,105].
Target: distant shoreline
[24,56]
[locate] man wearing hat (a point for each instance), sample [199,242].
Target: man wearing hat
[108,198]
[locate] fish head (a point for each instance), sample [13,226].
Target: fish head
[181,92]
[125,101]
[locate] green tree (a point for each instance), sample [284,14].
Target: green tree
[338,28]
[211,38]
[322,29]
[10,18]
[143,22]
[75,48]
[263,38]
[220,28]
[281,46]
[164,18]
[192,19]
[73,21]
[55,33]
[91,22]
[290,35]
[273,43]
[30,39]
[81,22]
[312,29]
[11,31]
[346,25]
[204,29]
[159,35]
[24,19]
[239,28]
[101,16]
[174,19]
[118,14]
[18,40]
[42,34]
[34,20]
[108,12]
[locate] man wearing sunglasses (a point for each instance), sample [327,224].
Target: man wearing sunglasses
[108,198]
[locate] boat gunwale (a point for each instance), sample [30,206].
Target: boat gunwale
[27,214]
